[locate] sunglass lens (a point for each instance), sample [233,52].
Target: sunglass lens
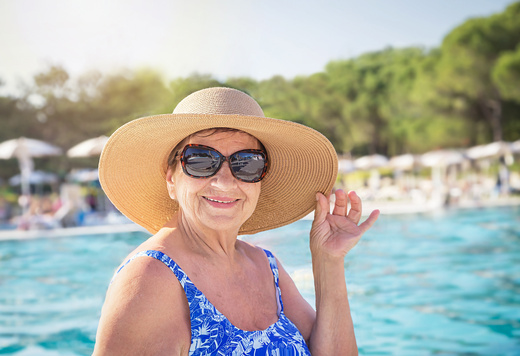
[248,166]
[201,162]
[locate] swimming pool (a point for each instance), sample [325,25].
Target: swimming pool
[445,283]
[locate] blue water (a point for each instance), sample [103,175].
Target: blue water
[434,284]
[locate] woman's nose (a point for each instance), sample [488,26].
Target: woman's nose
[224,179]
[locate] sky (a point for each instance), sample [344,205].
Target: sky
[224,38]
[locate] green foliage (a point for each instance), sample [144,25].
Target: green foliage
[506,75]
[376,92]
[511,110]
[393,101]
[470,74]
[52,83]
[182,87]
[128,95]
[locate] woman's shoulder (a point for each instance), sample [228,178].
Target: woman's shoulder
[142,266]
[143,302]
[253,250]
[153,243]
[142,273]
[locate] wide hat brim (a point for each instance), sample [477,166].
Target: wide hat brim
[132,167]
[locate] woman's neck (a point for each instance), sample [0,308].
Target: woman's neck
[202,239]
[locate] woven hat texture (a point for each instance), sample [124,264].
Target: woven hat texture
[133,164]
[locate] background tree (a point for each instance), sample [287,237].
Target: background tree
[392,101]
[182,87]
[506,75]
[375,89]
[128,95]
[464,75]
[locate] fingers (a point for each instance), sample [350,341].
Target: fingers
[367,224]
[322,208]
[355,207]
[340,206]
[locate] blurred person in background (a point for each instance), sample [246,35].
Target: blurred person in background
[198,178]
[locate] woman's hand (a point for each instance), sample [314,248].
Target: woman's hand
[334,235]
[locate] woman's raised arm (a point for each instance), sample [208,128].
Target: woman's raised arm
[332,237]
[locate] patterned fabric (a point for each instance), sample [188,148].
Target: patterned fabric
[213,334]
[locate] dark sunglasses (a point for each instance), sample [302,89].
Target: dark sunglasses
[200,161]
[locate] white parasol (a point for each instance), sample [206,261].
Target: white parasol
[35,178]
[87,148]
[371,162]
[83,175]
[346,165]
[441,158]
[439,161]
[403,162]
[494,149]
[27,147]
[24,149]
[515,146]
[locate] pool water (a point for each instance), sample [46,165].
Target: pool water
[445,283]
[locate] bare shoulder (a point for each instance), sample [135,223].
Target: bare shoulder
[254,252]
[145,312]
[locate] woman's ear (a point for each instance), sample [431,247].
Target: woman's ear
[170,185]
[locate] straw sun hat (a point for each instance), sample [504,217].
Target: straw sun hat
[133,164]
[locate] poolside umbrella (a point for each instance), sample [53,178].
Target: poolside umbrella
[27,147]
[490,150]
[441,158]
[83,175]
[35,178]
[515,146]
[24,149]
[346,165]
[87,148]
[403,162]
[371,162]
[439,161]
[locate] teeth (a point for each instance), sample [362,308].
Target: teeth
[220,201]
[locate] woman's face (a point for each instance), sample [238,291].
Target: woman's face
[220,202]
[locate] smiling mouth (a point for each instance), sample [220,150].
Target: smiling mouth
[221,201]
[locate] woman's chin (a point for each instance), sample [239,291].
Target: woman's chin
[222,223]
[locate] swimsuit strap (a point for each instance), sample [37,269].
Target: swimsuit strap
[276,274]
[188,285]
[158,255]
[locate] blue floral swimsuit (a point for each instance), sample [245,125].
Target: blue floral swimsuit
[213,334]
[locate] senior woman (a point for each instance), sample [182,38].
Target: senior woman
[198,178]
